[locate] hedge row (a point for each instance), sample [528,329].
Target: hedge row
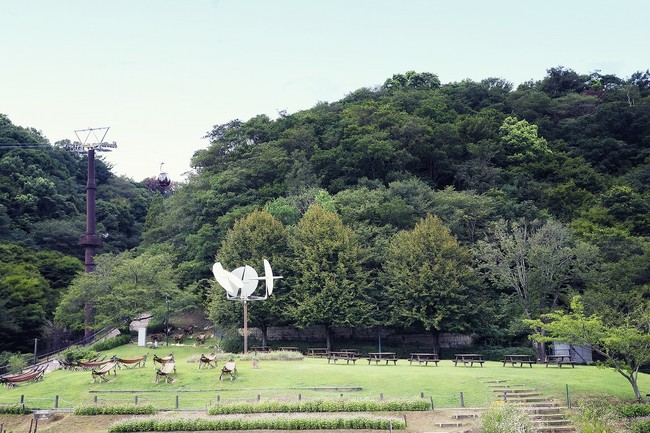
[115,410]
[14,409]
[201,424]
[322,406]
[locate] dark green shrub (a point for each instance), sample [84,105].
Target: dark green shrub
[17,409]
[634,410]
[322,406]
[74,355]
[111,343]
[115,410]
[232,342]
[198,424]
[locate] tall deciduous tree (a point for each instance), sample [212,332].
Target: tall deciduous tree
[330,283]
[122,288]
[538,262]
[430,281]
[252,239]
[624,345]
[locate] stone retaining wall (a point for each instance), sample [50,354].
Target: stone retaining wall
[316,334]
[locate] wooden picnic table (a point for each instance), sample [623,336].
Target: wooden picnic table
[382,356]
[342,356]
[468,358]
[518,359]
[317,351]
[261,348]
[560,360]
[424,357]
[290,348]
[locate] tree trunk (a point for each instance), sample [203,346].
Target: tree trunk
[88,319]
[540,350]
[264,328]
[328,336]
[635,386]
[435,334]
[540,347]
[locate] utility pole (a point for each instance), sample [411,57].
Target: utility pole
[91,140]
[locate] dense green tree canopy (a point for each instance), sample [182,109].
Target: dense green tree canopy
[569,148]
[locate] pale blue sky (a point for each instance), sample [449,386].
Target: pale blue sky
[161,73]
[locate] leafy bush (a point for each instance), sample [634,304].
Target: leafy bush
[232,342]
[14,409]
[634,410]
[17,362]
[322,406]
[273,356]
[505,418]
[279,423]
[115,410]
[112,343]
[595,416]
[75,355]
[641,426]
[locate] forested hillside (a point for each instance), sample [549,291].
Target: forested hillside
[43,216]
[413,204]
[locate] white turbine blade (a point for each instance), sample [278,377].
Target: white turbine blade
[248,276]
[269,277]
[234,280]
[229,282]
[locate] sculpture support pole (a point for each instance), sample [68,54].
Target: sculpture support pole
[245,327]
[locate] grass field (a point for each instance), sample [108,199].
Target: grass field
[310,378]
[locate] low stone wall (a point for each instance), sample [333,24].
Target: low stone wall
[316,334]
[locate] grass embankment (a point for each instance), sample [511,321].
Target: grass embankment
[308,379]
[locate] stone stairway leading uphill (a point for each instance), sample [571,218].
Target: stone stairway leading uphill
[547,415]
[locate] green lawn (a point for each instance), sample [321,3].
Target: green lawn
[308,379]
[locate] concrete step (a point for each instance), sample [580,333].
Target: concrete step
[519,394]
[547,416]
[552,422]
[465,415]
[562,429]
[451,424]
[513,390]
[526,400]
[545,406]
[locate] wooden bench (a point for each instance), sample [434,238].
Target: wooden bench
[468,358]
[560,360]
[289,348]
[518,359]
[167,372]
[424,357]
[382,356]
[261,348]
[230,369]
[342,356]
[317,351]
